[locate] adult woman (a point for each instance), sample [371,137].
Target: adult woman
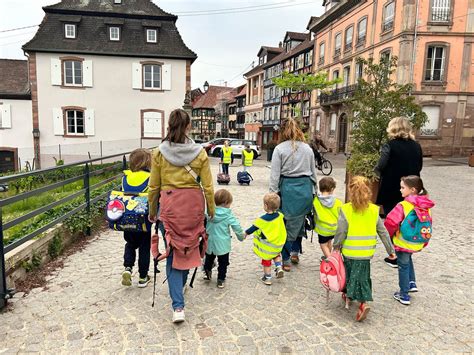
[401,156]
[293,175]
[178,165]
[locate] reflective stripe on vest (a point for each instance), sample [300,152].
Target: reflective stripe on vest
[361,237]
[227,155]
[248,157]
[398,240]
[135,181]
[325,220]
[270,237]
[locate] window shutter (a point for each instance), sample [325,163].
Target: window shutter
[6,116]
[136,76]
[166,75]
[58,122]
[87,72]
[89,122]
[152,124]
[55,71]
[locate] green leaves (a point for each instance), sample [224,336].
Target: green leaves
[304,82]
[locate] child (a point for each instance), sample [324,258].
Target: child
[357,229]
[247,157]
[227,157]
[326,210]
[136,181]
[413,239]
[269,237]
[219,236]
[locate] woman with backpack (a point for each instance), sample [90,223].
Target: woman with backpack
[180,173]
[293,177]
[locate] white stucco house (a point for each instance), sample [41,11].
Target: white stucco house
[104,76]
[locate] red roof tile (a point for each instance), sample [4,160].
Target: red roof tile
[14,77]
[209,99]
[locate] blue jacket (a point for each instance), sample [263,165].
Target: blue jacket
[218,229]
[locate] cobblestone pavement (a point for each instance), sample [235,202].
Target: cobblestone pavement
[85,309]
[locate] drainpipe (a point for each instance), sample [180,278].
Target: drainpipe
[413,54]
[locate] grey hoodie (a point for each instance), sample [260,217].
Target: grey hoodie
[327,201]
[180,154]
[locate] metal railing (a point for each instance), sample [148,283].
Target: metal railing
[338,95]
[85,192]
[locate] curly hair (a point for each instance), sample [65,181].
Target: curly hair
[400,127]
[291,132]
[360,193]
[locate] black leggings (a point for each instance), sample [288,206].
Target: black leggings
[223,262]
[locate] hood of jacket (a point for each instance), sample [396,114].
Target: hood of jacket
[180,154]
[327,201]
[220,215]
[420,201]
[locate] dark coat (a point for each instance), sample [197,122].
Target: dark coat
[399,157]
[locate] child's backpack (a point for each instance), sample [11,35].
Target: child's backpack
[417,225]
[128,212]
[332,272]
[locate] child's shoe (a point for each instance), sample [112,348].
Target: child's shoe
[287,267]
[279,272]
[178,315]
[347,301]
[364,309]
[413,287]
[402,299]
[267,280]
[127,276]
[143,282]
[391,262]
[220,283]
[295,259]
[207,275]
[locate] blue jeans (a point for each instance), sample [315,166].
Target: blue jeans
[406,272]
[291,248]
[176,281]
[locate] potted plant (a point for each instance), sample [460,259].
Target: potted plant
[270,148]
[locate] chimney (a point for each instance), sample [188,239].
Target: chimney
[280,45]
[225,83]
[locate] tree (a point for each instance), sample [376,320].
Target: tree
[376,101]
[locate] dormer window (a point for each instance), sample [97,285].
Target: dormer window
[114,33]
[151,36]
[69,30]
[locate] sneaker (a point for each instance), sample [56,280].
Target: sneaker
[220,284]
[207,275]
[402,299]
[178,315]
[266,280]
[295,259]
[127,276]
[364,309]
[391,262]
[413,287]
[287,267]
[279,272]
[143,282]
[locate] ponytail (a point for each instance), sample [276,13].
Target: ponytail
[415,182]
[360,193]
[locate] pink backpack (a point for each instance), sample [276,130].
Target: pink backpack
[332,273]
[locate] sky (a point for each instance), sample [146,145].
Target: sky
[226,44]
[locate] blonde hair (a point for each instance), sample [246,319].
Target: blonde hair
[291,132]
[140,159]
[223,197]
[359,193]
[400,127]
[272,201]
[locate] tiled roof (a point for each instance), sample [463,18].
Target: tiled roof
[285,55]
[93,17]
[253,71]
[242,91]
[311,21]
[299,36]
[210,97]
[269,49]
[14,78]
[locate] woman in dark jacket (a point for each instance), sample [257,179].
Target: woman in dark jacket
[401,156]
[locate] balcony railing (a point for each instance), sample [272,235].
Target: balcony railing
[338,95]
[240,109]
[270,122]
[275,100]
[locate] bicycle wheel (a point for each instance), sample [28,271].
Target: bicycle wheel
[326,167]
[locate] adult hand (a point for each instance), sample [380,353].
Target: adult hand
[152,219]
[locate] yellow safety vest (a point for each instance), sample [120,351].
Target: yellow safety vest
[270,237]
[227,155]
[135,181]
[398,240]
[248,158]
[325,219]
[362,232]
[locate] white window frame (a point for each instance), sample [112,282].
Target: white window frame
[152,87]
[111,33]
[361,35]
[148,37]
[67,27]
[333,124]
[388,18]
[346,43]
[432,66]
[337,47]
[322,51]
[346,75]
[68,133]
[74,63]
[359,71]
[440,11]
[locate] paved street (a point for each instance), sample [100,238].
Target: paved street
[85,308]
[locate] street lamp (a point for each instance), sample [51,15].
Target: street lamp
[206,86]
[36,133]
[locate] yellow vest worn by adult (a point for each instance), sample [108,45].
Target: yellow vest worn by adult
[227,155]
[398,239]
[248,158]
[362,232]
[325,219]
[270,237]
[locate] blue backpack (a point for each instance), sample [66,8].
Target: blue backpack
[417,226]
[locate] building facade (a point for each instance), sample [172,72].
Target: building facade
[433,43]
[240,112]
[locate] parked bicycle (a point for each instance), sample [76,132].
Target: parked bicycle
[325,166]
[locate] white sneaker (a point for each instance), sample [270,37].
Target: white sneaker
[279,272]
[178,315]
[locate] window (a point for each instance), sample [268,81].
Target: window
[308,58]
[385,56]
[306,108]
[362,30]
[275,113]
[431,127]
[70,30]
[255,83]
[271,93]
[299,62]
[348,38]
[270,113]
[72,72]
[152,123]
[347,76]
[440,10]
[321,53]
[332,127]
[337,45]
[359,71]
[318,123]
[114,33]
[151,36]
[151,76]
[435,63]
[388,16]
[335,75]
[75,122]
